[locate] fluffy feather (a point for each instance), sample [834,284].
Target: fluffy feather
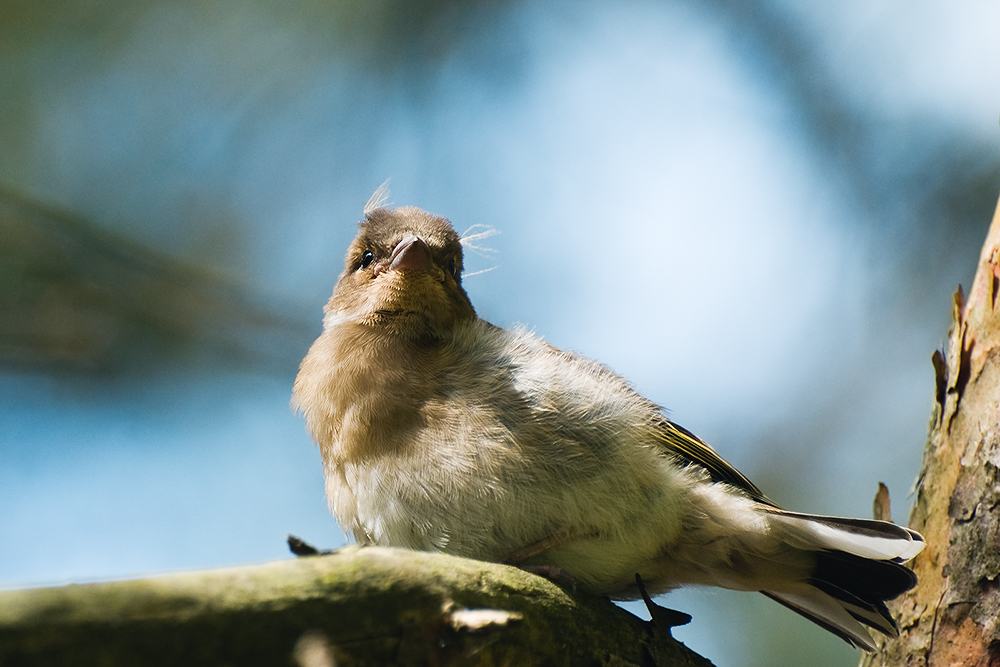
[440,431]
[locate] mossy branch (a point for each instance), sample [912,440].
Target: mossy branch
[370,606]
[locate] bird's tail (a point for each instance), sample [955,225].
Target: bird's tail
[858,567]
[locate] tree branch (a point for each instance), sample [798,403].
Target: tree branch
[366,606]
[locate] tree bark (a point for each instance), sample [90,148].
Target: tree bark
[951,617]
[368,606]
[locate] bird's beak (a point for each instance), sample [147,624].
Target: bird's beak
[410,254]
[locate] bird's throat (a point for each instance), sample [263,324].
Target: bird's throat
[362,391]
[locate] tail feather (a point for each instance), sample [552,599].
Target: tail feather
[877,540]
[869,580]
[825,612]
[858,567]
[873,614]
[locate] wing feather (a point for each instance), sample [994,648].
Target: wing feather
[691,449]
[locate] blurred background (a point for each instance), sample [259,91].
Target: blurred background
[757,211]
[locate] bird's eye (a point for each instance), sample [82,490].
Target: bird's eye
[367,259]
[452,267]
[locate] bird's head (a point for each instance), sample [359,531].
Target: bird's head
[402,276]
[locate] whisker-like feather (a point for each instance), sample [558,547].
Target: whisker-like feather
[469,239]
[379,198]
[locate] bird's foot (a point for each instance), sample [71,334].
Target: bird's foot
[661,616]
[301,548]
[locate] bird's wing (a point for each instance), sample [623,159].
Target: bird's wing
[688,447]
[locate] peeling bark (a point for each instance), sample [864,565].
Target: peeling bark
[951,617]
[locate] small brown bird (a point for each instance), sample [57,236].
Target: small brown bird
[442,432]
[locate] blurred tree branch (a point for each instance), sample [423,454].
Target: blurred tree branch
[370,606]
[924,181]
[75,298]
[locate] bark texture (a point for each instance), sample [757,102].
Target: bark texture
[951,617]
[368,606]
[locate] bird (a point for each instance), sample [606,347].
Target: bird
[440,431]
